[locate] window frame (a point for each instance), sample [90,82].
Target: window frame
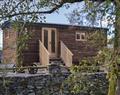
[80,34]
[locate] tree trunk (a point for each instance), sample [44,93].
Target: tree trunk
[118,87]
[117,40]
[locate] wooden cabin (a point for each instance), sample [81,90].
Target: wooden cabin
[52,42]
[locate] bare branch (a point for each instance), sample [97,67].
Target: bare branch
[37,12]
[56,6]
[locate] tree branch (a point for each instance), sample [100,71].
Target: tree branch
[16,6]
[48,11]
[37,12]
[42,12]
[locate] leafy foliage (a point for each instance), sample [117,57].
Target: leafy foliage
[110,11]
[23,37]
[93,14]
[86,80]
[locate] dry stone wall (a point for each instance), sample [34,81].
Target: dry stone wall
[39,84]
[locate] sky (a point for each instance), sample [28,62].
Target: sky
[60,16]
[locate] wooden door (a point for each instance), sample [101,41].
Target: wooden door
[49,39]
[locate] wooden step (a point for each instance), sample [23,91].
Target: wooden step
[57,61]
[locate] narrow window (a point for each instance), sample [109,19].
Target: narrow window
[46,38]
[53,41]
[78,36]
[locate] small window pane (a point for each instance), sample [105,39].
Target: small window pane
[82,37]
[78,36]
